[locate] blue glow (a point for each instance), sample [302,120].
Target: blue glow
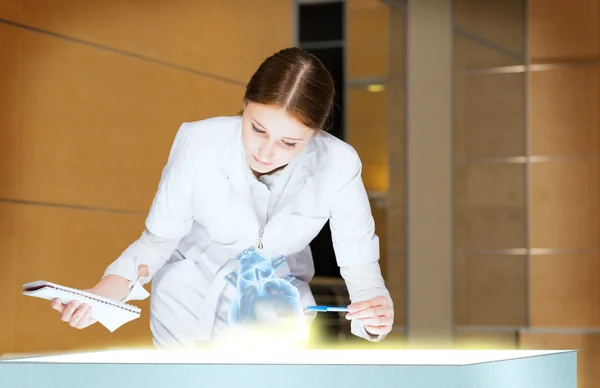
[262,298]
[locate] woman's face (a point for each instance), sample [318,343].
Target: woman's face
[271,138]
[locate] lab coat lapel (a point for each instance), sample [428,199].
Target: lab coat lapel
[232,165]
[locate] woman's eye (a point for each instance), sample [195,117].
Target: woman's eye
[257,130]
[291,145]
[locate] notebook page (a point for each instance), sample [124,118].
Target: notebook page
[111,314]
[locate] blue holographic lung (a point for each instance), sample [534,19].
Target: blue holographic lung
[262,297]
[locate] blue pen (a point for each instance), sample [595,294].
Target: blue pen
[325,309]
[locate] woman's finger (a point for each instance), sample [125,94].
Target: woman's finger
[377,330]
[372,312]
[78,315]
[86,319]
[58,305]
[376,321]
[367,304]
[69,310]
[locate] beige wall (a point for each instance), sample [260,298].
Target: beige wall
[92,95]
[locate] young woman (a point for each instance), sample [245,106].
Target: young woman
[270,178]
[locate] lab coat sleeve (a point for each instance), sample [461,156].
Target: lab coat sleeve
[355,243]
[150,250]
[171,214]
[365,282]
[169,219]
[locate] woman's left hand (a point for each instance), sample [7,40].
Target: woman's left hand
[375,314]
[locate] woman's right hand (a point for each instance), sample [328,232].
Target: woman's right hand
[77,314]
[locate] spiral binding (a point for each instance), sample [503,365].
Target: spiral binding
[97,298]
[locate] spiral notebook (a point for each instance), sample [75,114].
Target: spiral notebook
[110,313]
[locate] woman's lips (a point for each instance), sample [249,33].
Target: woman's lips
[260,161]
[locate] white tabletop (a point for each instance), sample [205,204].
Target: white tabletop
[296,357]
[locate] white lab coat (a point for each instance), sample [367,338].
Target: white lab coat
[203,207]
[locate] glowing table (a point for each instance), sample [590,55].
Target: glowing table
[298,368]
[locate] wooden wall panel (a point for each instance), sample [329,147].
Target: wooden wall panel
[490,290]
[8,120]
[9,91]
[226,38]
[565,200]
[489,206]
[10,9]
[8,283]
[366,107]
[95,127]
[565,290]
[70,247]
[470,54]
[561,31]
[565,204]
[368,38]
[489,115]
[489,228]
[500,22]
[495,185]
[565,120]
[485,341]
[588,355]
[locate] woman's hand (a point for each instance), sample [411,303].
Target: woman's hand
[77,314]
[375,314]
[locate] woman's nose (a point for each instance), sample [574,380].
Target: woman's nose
[266,152]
